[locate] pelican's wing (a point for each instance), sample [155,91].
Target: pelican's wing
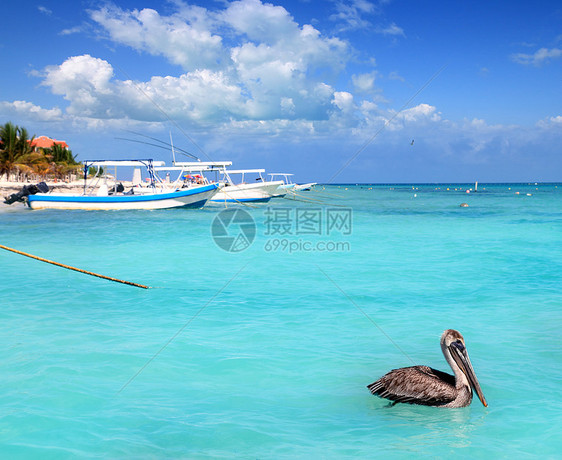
[416,385]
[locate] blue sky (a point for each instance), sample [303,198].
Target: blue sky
[330,90]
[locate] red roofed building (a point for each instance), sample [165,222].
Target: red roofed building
[44,142]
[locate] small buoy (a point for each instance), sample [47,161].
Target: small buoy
[464,205]
[517,193]
[468,191]
[415,195]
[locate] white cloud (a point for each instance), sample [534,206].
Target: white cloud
[419,115]
[266,60]
[343,100]
[28,111]
[391,29]
[79,75]
[351,14]
[260,22]
[364,82]
[551,122]
[71,31]
[396,76]
[88,84]
[188,45]
[538,58]
[45,10]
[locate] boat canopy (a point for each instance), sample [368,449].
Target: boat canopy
[123,163]
[244,171]
[208,164]
[184,168]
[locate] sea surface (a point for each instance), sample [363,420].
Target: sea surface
[263,348]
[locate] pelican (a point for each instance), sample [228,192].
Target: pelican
[430,387]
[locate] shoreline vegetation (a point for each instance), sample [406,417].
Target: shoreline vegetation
[25,159]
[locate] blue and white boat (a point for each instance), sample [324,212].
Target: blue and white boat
[102,191]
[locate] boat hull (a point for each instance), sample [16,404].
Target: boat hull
[195,197]
[282,190]
[304,187]
[241,193]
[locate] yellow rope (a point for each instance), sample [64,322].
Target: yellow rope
[73,268]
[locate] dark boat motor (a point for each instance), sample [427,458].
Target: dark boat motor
[27,190]
[119,188]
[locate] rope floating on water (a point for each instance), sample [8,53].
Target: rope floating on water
[130,283]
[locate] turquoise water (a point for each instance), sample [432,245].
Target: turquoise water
[266,352]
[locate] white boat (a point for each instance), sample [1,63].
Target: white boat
[99,195]
[288,184]
[304,187]
[286,187]
[259,190]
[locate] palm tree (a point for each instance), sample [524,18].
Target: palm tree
[18,156]
[61,154]
[63,163]
[14,143]
[32,165]
[9,140]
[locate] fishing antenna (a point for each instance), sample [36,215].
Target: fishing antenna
[164,143]
[163,112]
[182,152]
[173,153]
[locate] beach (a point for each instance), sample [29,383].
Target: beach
[9,187]
[74,187]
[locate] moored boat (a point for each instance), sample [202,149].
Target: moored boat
[99,195]
[258,190]
[304,187]
[286,187]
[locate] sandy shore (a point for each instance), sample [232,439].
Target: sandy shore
[8,187]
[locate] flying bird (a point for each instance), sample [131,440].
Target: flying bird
[430,387]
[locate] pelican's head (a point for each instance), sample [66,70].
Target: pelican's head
[452,344]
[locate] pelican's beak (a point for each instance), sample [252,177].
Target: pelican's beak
[460,355]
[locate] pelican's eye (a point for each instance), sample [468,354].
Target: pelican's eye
[458,345]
